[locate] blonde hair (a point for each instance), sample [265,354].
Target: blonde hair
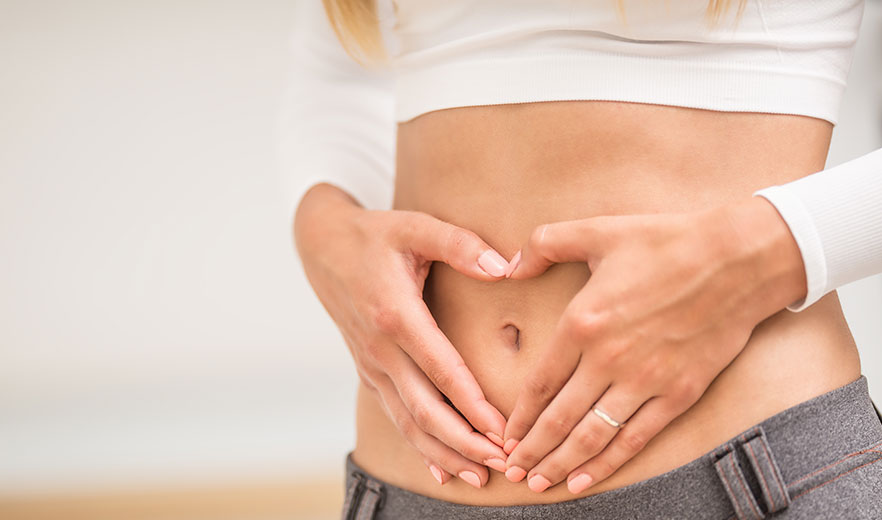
[357,27]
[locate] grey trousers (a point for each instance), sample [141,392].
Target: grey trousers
[819,459]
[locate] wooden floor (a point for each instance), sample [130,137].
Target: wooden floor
[276,500]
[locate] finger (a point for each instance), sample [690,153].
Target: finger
[586,440]
[646,423]
[430,447]
[437,472]
[395,410]
[433,415]
[558,242]
[556,421]
[433,239]
[550,374]
[439,360]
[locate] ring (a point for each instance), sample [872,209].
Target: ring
[607,419]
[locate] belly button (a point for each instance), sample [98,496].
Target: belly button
[512,336]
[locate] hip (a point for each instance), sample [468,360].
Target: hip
[790,358]
[817,459]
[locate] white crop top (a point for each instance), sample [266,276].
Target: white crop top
[782,56]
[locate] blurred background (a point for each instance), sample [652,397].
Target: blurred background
[161,353]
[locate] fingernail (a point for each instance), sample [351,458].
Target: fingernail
[495,463]
[436,472]
[492,263]
[515,474]
[579,484]
[515,260]
[495,439]
[471,478]
[510,445]
[538,483]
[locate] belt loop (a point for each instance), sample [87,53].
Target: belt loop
[878,413]
[371,501]
[353,493]
[767,472]
[736,486]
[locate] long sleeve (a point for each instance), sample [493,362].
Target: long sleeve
[835,215]
[337,122]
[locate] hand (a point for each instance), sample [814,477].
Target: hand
[368,269]
[672,299]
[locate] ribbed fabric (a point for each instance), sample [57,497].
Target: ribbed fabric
[779,57]
[339,119]
[599,76]
[836,218]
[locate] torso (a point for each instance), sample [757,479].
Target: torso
[502,170]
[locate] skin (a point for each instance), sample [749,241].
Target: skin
[650,282]
[623,344]
[400,354]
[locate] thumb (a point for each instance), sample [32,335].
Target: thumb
[462,249]
[557,242]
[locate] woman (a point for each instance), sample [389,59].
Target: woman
[611,302]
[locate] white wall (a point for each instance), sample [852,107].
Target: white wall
[154,322]
[858,132]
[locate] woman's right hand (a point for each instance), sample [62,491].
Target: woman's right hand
[368,268]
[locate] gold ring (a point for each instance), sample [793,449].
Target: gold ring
[607,419]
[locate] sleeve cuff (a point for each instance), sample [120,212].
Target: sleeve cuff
[801,225]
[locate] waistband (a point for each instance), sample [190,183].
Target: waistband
[750,476]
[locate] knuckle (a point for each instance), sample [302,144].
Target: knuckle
[538,237]
[588,439]
[604,467]
[527,457]
[373,349]
[557,427]
[384,225]
[387,320]
[688,389]
[444,380]
[517,428]
[539,389]
[406,426]
[584,324]
[652,372]
[422,416]
[634,441]
[553,468]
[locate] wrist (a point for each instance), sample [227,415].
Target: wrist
[763,242]
[322,205]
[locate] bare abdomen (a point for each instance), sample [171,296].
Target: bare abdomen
[502,170]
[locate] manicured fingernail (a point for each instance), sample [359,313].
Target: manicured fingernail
[538,483]
[471,478]
[515,474]
[492,263]
[436,472]
[495,439]
[497,464]
[515,260]
[510,445]
[579,484]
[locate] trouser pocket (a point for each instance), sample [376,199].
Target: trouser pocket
[753,482]
[833,471]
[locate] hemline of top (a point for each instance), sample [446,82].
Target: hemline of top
[727,87]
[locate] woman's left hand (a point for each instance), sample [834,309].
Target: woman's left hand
[671,301]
